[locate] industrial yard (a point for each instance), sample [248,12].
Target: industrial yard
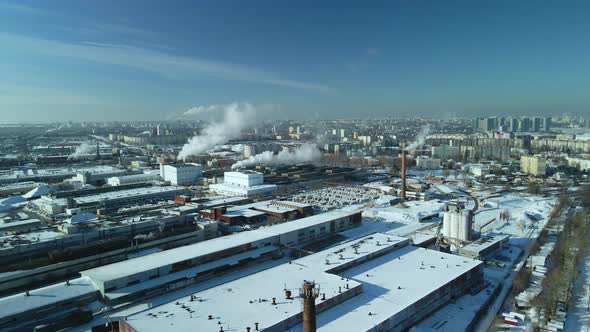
[298,238]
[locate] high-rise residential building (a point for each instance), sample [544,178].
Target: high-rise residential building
[522,124]
[533,165]
[547,124]
[537,124]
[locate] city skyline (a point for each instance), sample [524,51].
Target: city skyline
[110,61]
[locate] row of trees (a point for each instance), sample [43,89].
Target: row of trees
[563,263]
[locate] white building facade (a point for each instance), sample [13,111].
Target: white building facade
[181,175]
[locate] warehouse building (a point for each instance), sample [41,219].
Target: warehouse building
[484,247]
[47,304]
[98,176]
[177,267]
[108,201]
[244,183]
[234,216]
[181,174]
[264,211]
[375,283]
[133,179]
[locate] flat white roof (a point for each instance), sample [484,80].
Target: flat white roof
[243,302]
[391,282]
[168,257]
[298,224]
[127,193]
[235,187]
[381,278]
[18,223]
[18,303]
[244,213]
[293,203]
[188,273]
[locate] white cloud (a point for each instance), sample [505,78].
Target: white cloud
[160,63]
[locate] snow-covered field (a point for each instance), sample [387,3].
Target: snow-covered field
[412,214]
[526,214]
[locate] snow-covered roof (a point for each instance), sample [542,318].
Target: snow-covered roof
[11,203]
[150,262]
[168,257]
[307,222]
[40,297]
[247,213]
[377,265]
[38,192]
[81,218]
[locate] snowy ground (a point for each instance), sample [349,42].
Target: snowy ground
[457,316]
[527,215]
[381,217]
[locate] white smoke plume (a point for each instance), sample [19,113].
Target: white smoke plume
[236,117]
[82,149]
[196,110]
[420,138]
[305,153]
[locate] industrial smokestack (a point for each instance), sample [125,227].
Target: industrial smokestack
[403,191]
[308,295]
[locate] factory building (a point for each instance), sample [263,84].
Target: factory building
[133,179]
[182,174]
[107,201]
[532,165]
[98,177]
[423,162]
[178,267]
[484,247]
[265,211]
[286,209]
[19,226]
[244,183]
[388,282]
[88,231]
[46,304]
[235,216]
[19,188]
[51,175]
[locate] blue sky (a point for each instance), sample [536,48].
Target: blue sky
[143,60]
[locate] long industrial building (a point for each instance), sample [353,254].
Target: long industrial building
[160,272]
[375,283]
[165,270]
[109,201]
